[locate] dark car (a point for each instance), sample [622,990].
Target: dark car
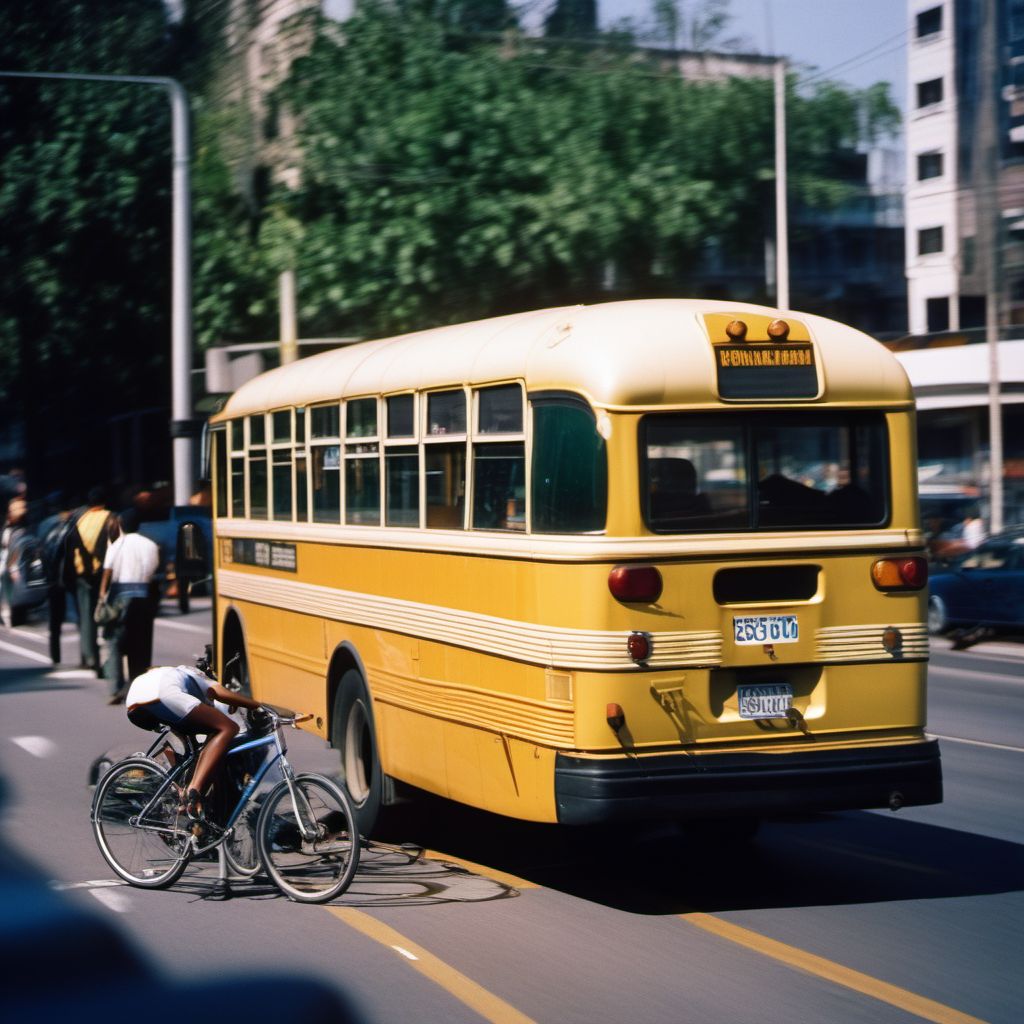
[185,555]
[982,588]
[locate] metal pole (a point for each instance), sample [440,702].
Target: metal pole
[781,216]
[182,425]
[990,216]
[289,349]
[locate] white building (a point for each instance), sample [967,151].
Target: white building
[932,226]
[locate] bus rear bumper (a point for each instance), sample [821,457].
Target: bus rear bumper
[594,790]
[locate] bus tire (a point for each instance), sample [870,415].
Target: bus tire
[354,737]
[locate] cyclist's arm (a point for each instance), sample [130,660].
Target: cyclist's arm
[229,697]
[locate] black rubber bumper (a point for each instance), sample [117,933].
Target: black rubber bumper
[594,790]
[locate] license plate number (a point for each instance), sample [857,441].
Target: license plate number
[768,700]
[766,629]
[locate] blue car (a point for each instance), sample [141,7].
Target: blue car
[984,587]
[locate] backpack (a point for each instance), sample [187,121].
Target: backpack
[55,550]
[91,561]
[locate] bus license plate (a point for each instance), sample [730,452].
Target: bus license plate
[766,629]
[768,700]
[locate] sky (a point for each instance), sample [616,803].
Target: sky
[864,41]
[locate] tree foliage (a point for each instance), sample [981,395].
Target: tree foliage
[443,181]
[450,168]
[85,218]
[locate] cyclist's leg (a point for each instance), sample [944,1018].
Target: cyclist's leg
[220,731]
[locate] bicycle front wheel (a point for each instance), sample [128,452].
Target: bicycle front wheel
[142,835]
[308,841]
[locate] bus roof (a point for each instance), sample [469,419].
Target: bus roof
[619,355]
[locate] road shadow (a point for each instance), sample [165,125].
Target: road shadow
[34,680]
[825,860]
[388,876]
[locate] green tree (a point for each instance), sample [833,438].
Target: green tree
[85,232]
[84,224]
[442,182]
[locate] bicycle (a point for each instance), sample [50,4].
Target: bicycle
[305,837]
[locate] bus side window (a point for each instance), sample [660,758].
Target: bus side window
[569,488]
[499,460]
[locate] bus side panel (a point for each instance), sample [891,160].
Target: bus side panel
[285,652]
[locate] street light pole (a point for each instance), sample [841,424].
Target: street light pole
[183,432]
[781,213]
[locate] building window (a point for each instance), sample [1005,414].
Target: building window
[929,240]
[929,92]
[972,311]
[938,314]
[929,22]
[929,165]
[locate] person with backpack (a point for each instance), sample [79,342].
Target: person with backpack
[93,530]
[54,531]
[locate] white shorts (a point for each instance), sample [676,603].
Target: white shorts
[169,694]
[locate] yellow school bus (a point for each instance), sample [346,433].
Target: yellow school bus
[654,559]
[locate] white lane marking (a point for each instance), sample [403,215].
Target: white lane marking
[26,633]
[977,743]
[405,953]
[30,655]
[184,626]
[37,746]
[113,899]
[72,673]
[96,883]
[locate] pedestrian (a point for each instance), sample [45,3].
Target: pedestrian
[13,536]
[12,485]
[94,529]
[127,583]
[54,531]
[973,532]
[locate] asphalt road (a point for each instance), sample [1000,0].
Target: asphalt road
[877,917]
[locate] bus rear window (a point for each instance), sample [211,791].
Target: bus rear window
[764,471]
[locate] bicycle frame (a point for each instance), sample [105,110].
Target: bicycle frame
[188,761]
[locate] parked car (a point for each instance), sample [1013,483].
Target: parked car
[184,553]
[984,587]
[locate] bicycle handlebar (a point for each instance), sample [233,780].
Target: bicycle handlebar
[291,718]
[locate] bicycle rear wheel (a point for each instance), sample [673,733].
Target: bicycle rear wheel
[309,845]
[143,838]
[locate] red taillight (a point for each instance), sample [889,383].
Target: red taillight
[638,644]
[900,573]
[634,583]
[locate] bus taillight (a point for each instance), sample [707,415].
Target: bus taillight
[900,573]
[635,583]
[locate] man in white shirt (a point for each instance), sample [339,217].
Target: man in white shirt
[129,566]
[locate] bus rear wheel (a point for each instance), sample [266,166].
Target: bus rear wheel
[353,736]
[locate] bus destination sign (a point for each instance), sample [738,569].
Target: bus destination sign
[766,371]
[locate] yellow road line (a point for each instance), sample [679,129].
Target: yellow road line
[910,1002]
[482,869]
[467,991]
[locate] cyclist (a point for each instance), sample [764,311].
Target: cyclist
[183,698]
